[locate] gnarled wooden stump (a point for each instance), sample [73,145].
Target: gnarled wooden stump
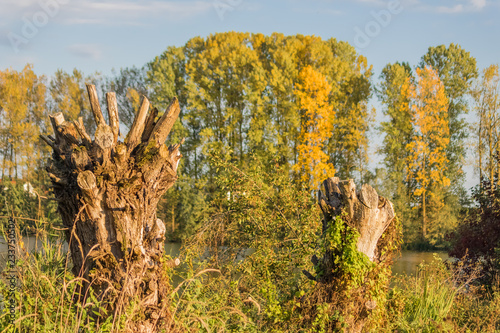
[368,212]
[368,219]
[107,193]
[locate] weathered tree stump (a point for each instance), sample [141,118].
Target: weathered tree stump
[107,193]
[348,279]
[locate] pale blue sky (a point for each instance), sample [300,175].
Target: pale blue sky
[97,35]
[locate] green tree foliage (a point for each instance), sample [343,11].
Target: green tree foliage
[183,206]
[68,95]
[427,160]
[165,77]
[457,70]
[224,85]
[260,234]
[487,106]
[398,133]
[352,88]
[414,148]
[240,99]
[22,113]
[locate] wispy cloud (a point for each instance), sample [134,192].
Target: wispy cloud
[449,10]
[109,12]
[86,51]
[478,4]
[373,2]
[323,11]
[385,3]
[19,3]
[455,6]
[466,6]
[130,12]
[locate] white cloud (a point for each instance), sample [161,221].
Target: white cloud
[87,51]
[478,4]
[109,12]
[128,12]
[463,6]
[322,11]
[450,10]
[373,2]
[19,3]
[466,6]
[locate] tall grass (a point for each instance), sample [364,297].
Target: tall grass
[260,292]
[46,292]
[430,300]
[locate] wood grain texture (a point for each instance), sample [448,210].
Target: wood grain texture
[107,194]
[94,105]
[114,121]
[166,122]
[135,134]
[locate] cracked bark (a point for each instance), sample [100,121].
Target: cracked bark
[371,216]
[107,193]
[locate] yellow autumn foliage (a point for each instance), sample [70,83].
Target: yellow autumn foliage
[317,117]
[427,161]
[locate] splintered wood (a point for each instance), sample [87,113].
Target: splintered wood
[107,193]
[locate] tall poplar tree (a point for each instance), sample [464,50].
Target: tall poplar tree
[22,109]
[427,160]
[487,106]
[224,80]
[393,92]
[317,117]
[350,75]
[457,70]
[68,94]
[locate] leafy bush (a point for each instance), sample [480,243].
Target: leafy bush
[29,204]
[260,237]
[478,237]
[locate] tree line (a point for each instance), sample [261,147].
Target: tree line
[299,102]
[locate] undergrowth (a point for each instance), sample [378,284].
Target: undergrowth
[242,272]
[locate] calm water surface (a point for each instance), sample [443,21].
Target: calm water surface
[407,263]
[31,243]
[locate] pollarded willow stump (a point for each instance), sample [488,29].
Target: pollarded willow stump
[107,193]
[364,216]
[368,212]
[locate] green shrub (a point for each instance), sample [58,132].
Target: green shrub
[261,235]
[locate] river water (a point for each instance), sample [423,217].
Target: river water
[406,263]
[409,260]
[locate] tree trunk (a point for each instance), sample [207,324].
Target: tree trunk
[424,217]
[368,212]
[173,218]
[107,193]
[369,217]
[492,156]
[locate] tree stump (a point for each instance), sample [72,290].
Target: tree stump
[107,193]
[359,237]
